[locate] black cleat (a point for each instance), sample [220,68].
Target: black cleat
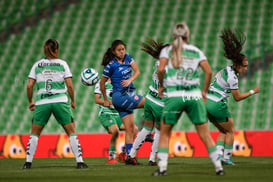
[151,163]
[220,173]
[27,165]
[81,165]
[131,161]
[149,138]
[158,173]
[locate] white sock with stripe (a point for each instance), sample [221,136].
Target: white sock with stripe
[155,145]
[139,140]
[76,147]
[31,147]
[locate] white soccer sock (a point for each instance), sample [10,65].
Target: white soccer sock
[31,147]
[76,147]
[112,154]
[214,157]
[220,149]
[228,151]
[155,145]
[163,161]
[139,141]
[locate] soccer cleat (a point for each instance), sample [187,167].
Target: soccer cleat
[220,173]
[131,161]
[81,165]
[122,157]
[151,163]
[112,161]
[27,165]
[227,162]
[149,138]
[158,173]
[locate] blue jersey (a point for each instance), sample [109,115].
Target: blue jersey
[118,72]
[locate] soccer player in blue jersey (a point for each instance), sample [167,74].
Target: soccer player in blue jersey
[122,69]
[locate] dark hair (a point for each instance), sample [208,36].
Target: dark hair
[109,55]
[50,47]
[233,45]
[152,47]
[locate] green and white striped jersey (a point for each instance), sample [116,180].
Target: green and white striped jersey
[49,76]
[153,93]
[183,81]
[109,90]
[224,81]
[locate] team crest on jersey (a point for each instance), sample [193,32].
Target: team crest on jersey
[136,97]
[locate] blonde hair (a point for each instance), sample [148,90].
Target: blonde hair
[181,34]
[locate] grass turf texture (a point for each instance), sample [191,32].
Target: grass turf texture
[179,169]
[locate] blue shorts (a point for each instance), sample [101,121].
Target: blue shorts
[126,102]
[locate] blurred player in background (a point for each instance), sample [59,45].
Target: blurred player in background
[110,120]
[225,83]
[153,105]
[53,79]
[178,68]
[118,66]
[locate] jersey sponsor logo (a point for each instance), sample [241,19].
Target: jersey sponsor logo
[125,71]
[42,64]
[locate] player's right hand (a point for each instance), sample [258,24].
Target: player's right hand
[31,106]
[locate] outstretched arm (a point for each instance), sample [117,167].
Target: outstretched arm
[241,96]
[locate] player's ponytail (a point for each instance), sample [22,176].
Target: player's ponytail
[181,34]
[50,48]
[233,45]
[109,55]
[152,47]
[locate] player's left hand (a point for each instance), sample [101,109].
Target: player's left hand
[125,83]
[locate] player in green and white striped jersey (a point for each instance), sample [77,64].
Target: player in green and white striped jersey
[179,64]
[153,106]
[53,78]
[110,120]
[223,85]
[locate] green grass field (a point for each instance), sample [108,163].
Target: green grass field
[179,169]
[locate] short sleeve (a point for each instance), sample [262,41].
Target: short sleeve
[97,89]
[130,59]
[67,72]
[32,72]
[233,82]
[164,53]
[202,56]
[107,71]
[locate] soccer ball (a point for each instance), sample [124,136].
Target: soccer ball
[89,76]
